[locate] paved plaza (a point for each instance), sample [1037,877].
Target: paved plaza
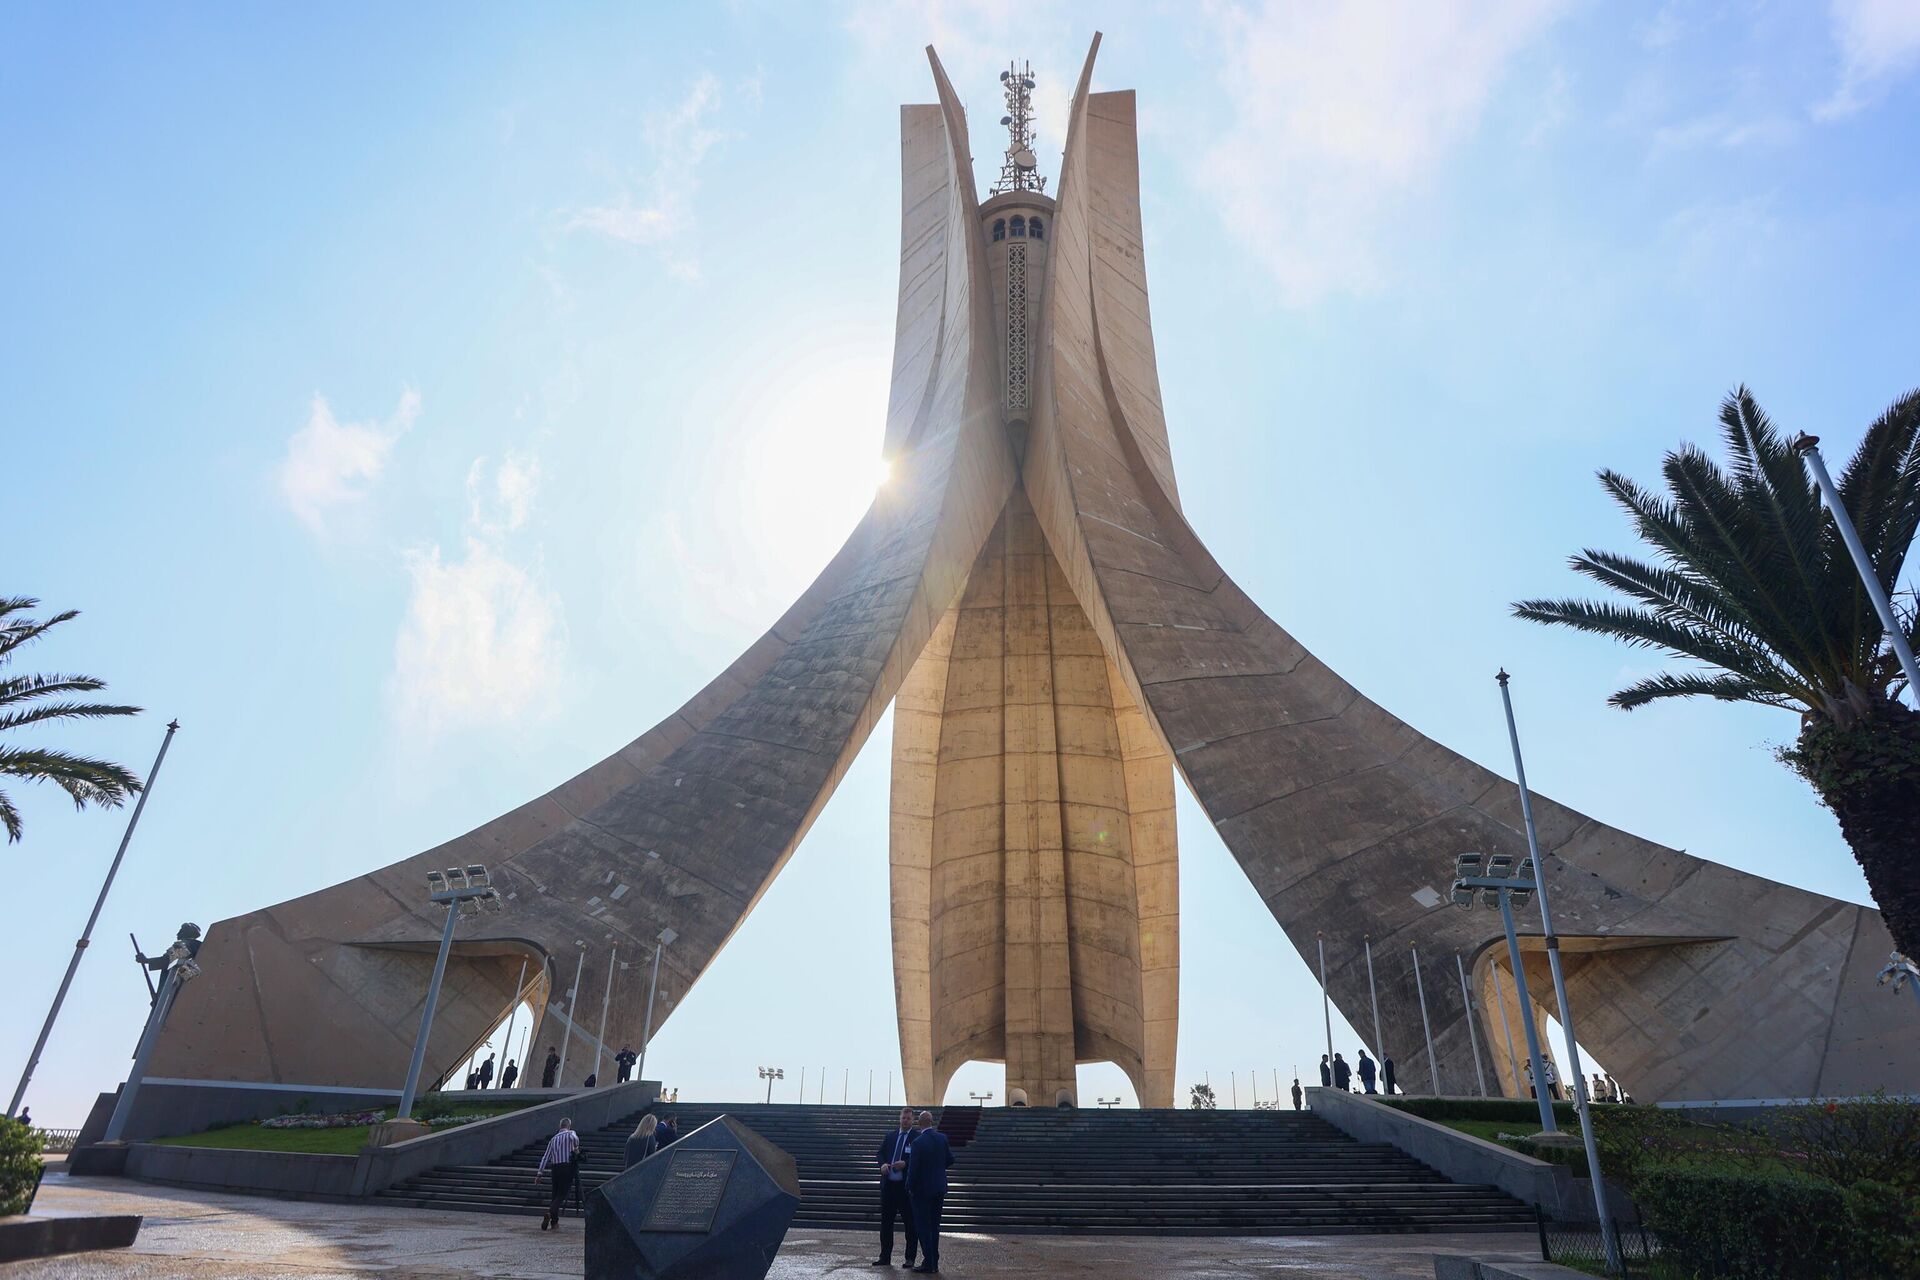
[204,1235]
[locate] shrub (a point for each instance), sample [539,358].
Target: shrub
[19,1165]
[1750,1226]
[1874,1139]
[1886,1224]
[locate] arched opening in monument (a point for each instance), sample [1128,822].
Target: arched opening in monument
[508,1040]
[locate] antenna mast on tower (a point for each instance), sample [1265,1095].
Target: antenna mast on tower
[1019,172]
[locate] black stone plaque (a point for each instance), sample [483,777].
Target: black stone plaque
[690,1196]
[713,1206]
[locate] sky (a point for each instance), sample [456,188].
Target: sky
[421,401]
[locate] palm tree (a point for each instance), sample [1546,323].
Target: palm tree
[88,781]
[1751,579]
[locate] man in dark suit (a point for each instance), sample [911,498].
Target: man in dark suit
[552,1069]
[1326,1073]
[928,1158]
[892,1157]
[1342,1074]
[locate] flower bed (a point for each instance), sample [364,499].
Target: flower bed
[357,1119]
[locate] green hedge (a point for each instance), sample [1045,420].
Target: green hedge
[1780,1226]
[1521,1112]
[19,1165]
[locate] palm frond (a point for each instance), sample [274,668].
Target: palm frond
[1727,688]
[15,634]
[1644,628]
[87,780]
[63,711]
[26,688]
[10,818]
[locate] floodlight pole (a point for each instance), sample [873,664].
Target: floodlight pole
[1326,1011]
[1808,447]
[606,998]
[1373,993]
[1473,1034]
[426,1015]
[646,1032]
[1433,1065]
[573,1007]
[1506,1028]
[1607,1235]
[86,934]
[519,986]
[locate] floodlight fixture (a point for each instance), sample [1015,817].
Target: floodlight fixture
[1500,865]
[1462,896]
[477,876]
[1467,864]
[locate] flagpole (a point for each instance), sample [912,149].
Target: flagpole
[86,934]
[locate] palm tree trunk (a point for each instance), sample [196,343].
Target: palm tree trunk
[1869,775]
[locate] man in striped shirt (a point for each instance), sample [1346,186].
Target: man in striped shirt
[563,1155]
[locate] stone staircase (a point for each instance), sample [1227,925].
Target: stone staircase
[1176,1173]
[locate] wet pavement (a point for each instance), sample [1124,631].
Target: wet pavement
[210,1236]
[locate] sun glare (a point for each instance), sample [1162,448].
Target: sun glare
[882,472]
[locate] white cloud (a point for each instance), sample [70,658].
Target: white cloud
[1879,40]
[498,501]
[482,641]
[331,465]
[656,211]
[1341,114]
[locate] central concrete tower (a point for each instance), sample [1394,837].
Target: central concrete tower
[1035,874]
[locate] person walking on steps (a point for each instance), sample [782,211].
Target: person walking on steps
[644,1142]
[929,1156]
[562,1156]
[892,1160]
[1366,1072]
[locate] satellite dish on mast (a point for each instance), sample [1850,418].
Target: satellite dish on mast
[1025,159]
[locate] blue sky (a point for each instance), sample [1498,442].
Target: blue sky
[421,401]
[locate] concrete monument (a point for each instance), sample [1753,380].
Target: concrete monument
[1058,640]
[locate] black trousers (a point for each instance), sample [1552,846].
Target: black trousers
[564,1177]
[926,1222]
[893,1199]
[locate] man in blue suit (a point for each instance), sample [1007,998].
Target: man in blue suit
[893,1189]
[928,1159]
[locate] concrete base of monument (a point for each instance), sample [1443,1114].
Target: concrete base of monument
[716,1203]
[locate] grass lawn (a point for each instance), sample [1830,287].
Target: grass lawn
[333,1142]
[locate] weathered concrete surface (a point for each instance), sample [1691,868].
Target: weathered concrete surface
[213,1237]
[1691,979]
[1688,977]
[687,825]
[1035,875]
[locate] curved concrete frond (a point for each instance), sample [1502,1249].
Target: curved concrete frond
[1688,978]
